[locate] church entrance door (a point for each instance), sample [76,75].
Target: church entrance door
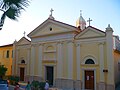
[50,74]
[22,74]
[89,80]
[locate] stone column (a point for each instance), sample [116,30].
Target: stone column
[70,46]
[59,60]
[40,60]
[78,60]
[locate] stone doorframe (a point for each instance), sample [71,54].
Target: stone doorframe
[83,77]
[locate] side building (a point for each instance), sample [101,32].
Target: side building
[6,56]
[69,57]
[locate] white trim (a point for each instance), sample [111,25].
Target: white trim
[83,77]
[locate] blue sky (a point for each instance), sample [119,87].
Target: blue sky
[102,12]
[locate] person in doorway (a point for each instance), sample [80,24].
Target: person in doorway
[46,85]
[28,86]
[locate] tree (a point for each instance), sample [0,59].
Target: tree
[3,70]
[11,9]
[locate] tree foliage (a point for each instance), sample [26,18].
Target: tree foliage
[11,9]
[3,70]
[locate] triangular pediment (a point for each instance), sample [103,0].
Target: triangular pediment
[90,32]
[51,27]
[23,41]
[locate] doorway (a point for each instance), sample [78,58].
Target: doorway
[89,79]
[50,74]
[22,74]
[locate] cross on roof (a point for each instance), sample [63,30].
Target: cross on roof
[24,33]
[89,20]
[51,11]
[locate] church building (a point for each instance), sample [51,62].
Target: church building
[69,57]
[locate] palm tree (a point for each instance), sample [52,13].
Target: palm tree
[11,9]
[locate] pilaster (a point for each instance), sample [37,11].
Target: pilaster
[110,59]
[101,59]
[32,60]
[40,60]
[59,60]
[78,60]
[28,61]
[70,59]
[17,59]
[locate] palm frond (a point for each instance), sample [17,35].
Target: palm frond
[17,3]
[12,13]
[2,19]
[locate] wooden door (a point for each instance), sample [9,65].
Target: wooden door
[22,74]
[89,80]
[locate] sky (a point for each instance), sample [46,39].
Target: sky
[102,13]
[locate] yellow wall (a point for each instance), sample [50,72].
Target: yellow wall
[4,60]
[117,66]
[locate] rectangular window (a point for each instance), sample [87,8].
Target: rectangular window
[7,55]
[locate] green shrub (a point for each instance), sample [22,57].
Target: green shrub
[42,85]
[13,79]
[35,85]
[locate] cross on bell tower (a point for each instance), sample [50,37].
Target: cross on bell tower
[80,12]
[89,20]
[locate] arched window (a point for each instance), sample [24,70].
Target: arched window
[89,61]
[22,61]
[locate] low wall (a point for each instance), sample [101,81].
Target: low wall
[68,84]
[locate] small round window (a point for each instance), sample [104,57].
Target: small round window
[89,61]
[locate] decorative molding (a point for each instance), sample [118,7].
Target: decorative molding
[89,57]
[93,40]
[60,42]
[70,41]
[101,43]
[49,61]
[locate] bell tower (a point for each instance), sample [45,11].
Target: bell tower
[81,23]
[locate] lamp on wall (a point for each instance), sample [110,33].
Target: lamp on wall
[105,70]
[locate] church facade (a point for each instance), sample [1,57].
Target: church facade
[69,57]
